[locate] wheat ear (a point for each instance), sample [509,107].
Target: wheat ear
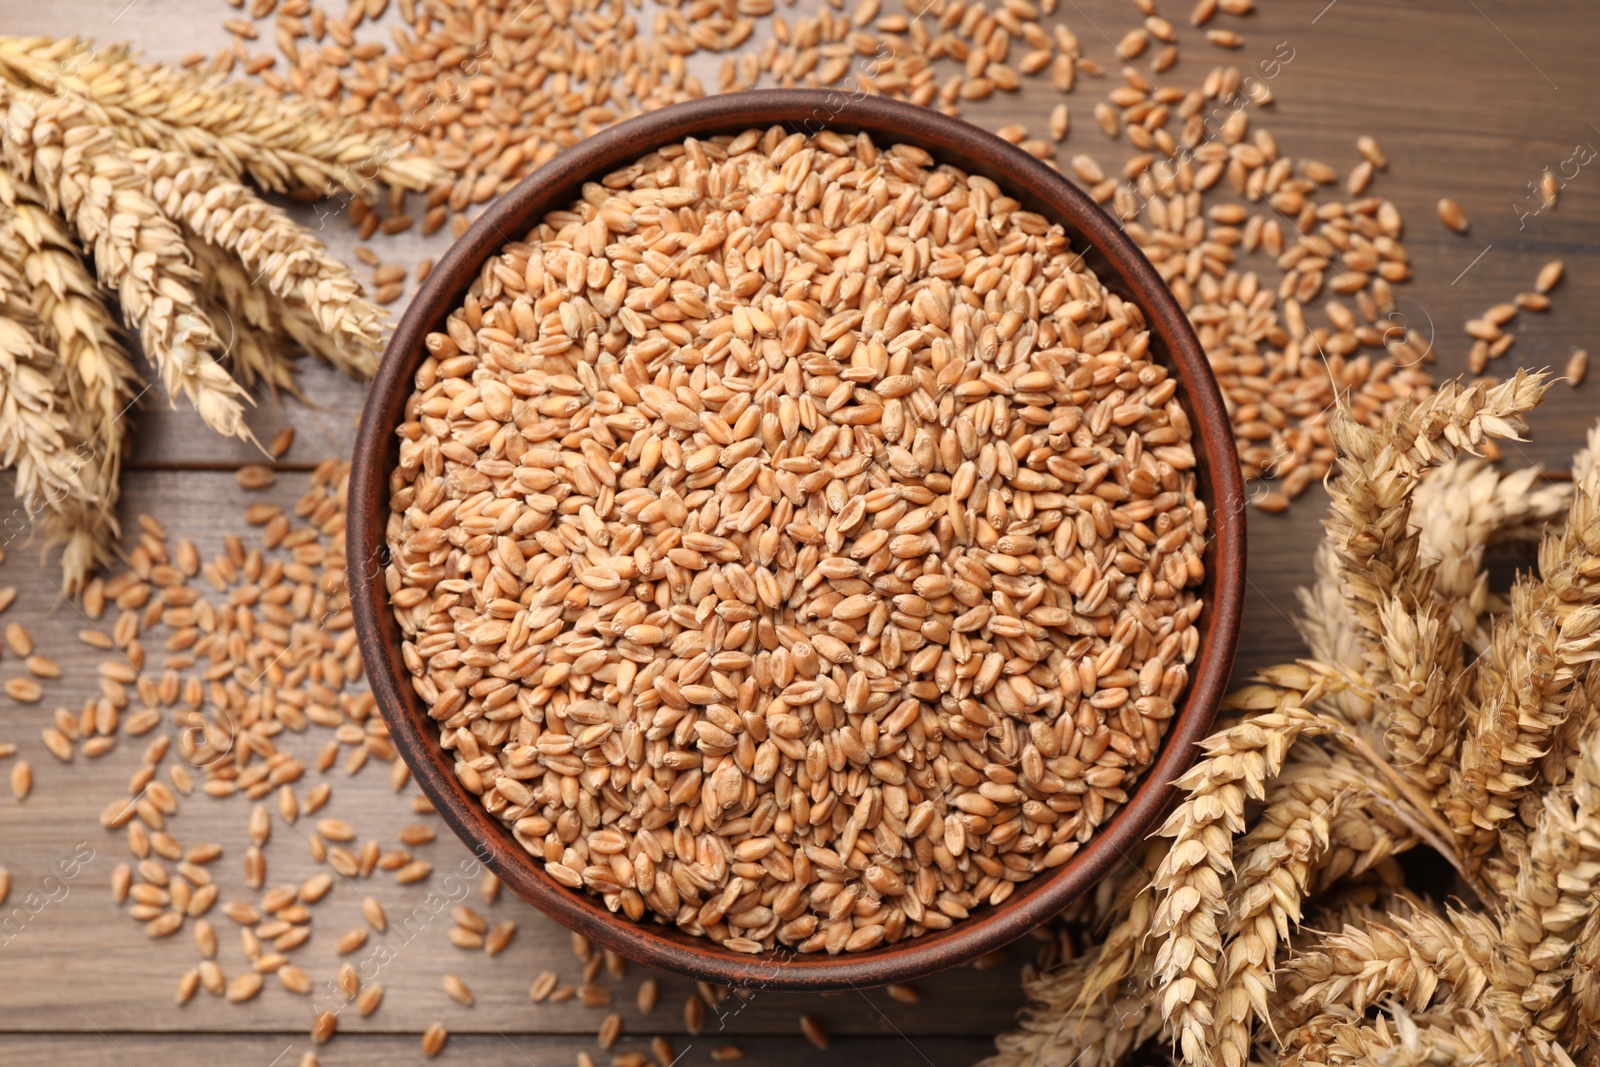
[86,175]
[1518,703]
[283,144]
[1460,510]
[1385,582]
[1325,819]
[254,346]
[1191,881]
[1095,1009]
[93,370]
[283,257]
[1341,1037]
[37,438]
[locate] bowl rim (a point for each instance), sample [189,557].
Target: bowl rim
[949,140]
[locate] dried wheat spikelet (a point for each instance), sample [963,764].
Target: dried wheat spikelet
[95,373]
[123,179]
[250,319]
[1273,925]
[36,436]
[282,144]
[89,178]
[344,329]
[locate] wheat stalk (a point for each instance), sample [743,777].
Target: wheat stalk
[317,293]
[36,436]
[283,144]
[1298,805]
[87,175]
[94,371]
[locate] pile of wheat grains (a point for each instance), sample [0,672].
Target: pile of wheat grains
[1292,292]
[795,542]
[236,681]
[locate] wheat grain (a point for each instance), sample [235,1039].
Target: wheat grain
[499,939]
[649,992]
[812,1029]
[465,939]
[457,990]
[1549,276]
[244,987]
[543,986]
[1577,368]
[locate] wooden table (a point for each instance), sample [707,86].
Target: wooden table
[1469,98]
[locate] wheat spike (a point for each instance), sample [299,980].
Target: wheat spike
[1463,508]
[1342,1037]
[282,144]
[1586,947]
[1517,703]
[1410,957]
[87,176]
[1386,584]
[1318,826]
[1095,1009]
[37,437]
[93,372]
[254,346]
[1190,882]
[1369,521]
[320,302]
[1558,873]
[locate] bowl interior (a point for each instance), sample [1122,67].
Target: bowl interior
[1120,266]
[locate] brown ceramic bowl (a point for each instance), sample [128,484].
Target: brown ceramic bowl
[1119,265]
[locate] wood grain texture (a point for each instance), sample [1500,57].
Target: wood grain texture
[112,1049]
[74,936]
[1469,101]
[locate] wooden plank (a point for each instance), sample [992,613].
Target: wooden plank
[512,1048]
[69,921]
[1279,564]
[60,818]
[1469,101]
[1479,120]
